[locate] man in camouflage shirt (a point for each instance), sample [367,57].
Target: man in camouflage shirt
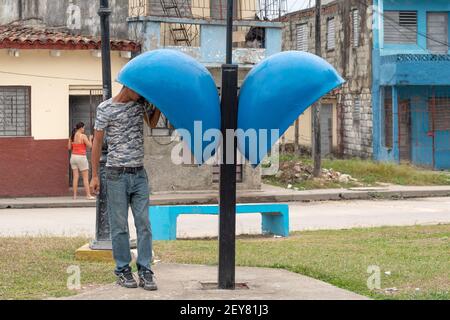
[122,120]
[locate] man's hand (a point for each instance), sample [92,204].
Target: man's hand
[95,160]
[153,122]
[95,185]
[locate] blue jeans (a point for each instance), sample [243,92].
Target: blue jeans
[124,190]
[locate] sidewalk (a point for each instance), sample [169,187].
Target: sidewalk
[184,282]
[265,195]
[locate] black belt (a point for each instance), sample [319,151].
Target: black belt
[125,169]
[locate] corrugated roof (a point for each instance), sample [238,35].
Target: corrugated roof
[18,36]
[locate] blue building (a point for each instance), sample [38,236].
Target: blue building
[411,82]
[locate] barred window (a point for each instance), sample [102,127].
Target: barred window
[331,34]
[15,111]
[356,22]
[387,116]
[302,37]
[357,112]
[439,109]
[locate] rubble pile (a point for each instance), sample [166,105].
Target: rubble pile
[292,172]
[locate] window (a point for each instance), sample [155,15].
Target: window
[400,27]
[387,116]
[302,37]
[15,111]
[357,112]
[331,34]
[437,32]
[356,23]
[439,109]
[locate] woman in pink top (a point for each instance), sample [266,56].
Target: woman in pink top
[78,143]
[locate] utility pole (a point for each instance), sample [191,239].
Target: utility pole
[102,229]
[317,147]
[227,200]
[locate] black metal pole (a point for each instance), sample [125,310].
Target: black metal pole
[229,53]
[227,200]
[104,12]
[102,229]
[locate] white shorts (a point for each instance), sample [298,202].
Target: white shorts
[79,162]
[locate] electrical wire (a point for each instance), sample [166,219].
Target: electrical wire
[46,77]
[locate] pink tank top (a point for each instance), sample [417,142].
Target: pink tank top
[79,149]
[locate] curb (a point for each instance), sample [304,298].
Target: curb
[274,198]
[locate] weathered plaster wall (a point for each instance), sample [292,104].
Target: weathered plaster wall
[210,51]
[167,176]
[78,15]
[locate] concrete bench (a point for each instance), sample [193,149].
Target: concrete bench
[275,218]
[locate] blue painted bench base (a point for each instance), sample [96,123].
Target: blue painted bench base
[275,218]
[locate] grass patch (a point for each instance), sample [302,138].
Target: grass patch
[417,257]
[368,173]
[36,268]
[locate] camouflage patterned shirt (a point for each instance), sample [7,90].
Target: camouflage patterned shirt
[123,124]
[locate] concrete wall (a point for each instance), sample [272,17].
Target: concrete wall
[78,15]
[166,176]
[353,63]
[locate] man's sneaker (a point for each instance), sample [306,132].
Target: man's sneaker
[146,280]
[126,279]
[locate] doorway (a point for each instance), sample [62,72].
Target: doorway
[404,131]
[326,128]
[83,108]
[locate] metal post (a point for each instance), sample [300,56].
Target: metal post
[317,146]
[102,229]
[104,12]
[227,200]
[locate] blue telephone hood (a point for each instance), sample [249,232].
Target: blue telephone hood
[275,93]
[179,86]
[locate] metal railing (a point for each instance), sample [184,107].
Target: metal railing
[263,10]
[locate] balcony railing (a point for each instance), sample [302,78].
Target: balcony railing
[414,69]
[209,9]
[399,58]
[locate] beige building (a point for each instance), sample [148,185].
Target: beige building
[329,123]
[49,81]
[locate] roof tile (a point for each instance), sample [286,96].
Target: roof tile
[18,36]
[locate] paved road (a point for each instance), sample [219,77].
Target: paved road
[303,216]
